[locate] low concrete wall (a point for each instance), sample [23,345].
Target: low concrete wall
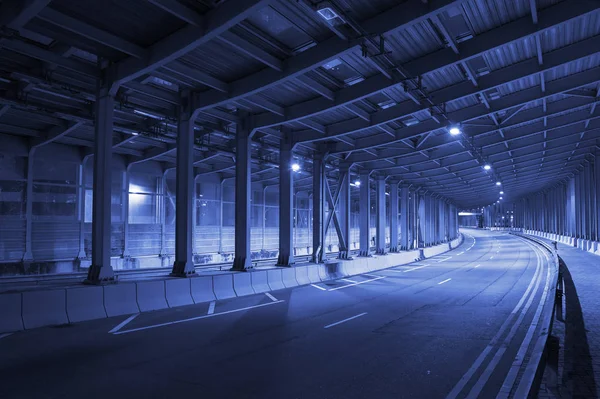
[585,245]
[38,308]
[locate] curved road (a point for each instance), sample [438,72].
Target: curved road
[447,327]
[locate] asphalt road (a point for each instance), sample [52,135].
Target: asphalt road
[446,327]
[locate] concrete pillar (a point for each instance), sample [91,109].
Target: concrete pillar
[101,269]
[394,216]
[344,211]
[365,214]
[381,216]
[184,195]
[589,217]
[404,219]
[318,209]
[286,205]
[243,195]
[570,211]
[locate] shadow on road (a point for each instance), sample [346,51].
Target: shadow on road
[578,376]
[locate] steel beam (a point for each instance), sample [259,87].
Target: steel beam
[365,213]
[243,195]
[101,270]
[215,22]
[286,202]
[185,192]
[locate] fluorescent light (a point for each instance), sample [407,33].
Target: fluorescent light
[357,183]
[501,192]
[327,13]
[498,183]
[454,130]
[295,167]
[487,166]
[500,197]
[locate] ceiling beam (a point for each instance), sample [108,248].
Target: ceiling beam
[518,30]
[214,23]
[90,32]
[55,133]
[401,16]
[15,14]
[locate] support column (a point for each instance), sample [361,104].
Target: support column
[381,216]
[162,189]
[243,193]
[28,254]
[286,205]
[394,216]
[101,270]
[404,219]
[184,196]
[364,214]
[441,216]
[344,211]
[318,205]
[597,187]
[125,210]
[81,207]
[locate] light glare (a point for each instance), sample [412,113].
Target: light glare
[357,183]
[498,183]
[295,167]
[454,131]
[487,166]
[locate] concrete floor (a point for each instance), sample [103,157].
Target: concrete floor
[408,332]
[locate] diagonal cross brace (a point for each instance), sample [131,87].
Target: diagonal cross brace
[332,205]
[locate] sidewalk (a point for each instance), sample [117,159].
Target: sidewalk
[579,333]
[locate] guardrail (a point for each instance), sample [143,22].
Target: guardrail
[531,379]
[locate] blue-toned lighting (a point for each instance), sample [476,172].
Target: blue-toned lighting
[295,167]
[454,130]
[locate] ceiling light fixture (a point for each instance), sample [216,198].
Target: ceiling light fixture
[498,183]
[454,130]
[487,166]
[295,167]
[357,183]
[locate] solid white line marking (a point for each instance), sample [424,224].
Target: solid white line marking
[492,257]
[352,285]
[413,268]
[211,308]
[5,335]
[460,253]
[271,297]
[445,281]
[321,288]
[345,320]
[477,266]
[348,280]
[443,260]
[123,324]
[197,318]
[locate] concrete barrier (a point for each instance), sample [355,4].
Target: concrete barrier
[323,275]
[44,308]
[275,280]
[302,275]
[223,286]
[178,292]
[259,281]
[85,303]
[120,299]
[360,265]
[288,275]
[202,289]
[313,273]
[10,309]
[242,284]
[333,270]
[151,295]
